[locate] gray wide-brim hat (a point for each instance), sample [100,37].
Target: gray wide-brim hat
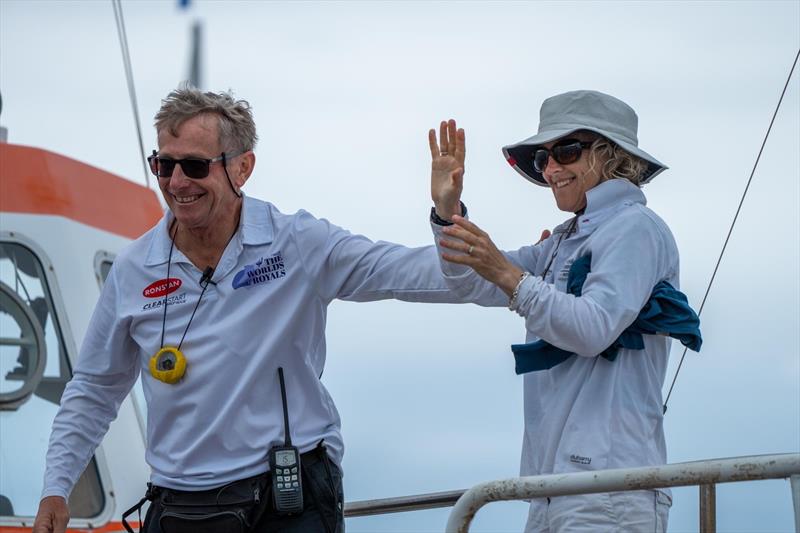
[581,110]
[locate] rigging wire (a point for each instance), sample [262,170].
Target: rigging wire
[126,60]
[735,217]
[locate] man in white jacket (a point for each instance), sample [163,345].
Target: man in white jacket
[207,306]
[587,412]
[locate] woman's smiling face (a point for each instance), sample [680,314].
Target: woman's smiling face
[569,182]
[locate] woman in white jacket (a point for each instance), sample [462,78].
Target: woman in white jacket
[583,411]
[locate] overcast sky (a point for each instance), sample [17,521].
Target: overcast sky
[343,95]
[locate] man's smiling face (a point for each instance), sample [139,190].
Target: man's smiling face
[196,203]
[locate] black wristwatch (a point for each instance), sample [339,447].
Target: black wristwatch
[439,221]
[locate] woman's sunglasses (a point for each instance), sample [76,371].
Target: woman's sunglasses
[193,167]
[564,152]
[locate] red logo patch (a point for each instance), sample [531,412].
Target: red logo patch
[162,287]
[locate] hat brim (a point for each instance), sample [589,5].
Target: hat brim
[520,155]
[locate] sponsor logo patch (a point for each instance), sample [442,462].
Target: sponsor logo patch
[162,287]
[579,459]
[177,299]
[264,270]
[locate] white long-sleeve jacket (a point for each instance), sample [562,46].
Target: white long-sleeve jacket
[589,413]
[266,308]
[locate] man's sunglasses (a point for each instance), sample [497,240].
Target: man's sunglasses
[564,152]
[193,167]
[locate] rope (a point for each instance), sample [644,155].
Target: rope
[735,217]
[126,60]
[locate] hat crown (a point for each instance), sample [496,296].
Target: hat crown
[564,114]
[591,110]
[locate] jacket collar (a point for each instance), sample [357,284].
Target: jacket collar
[605,199]
[610,193]
[255,228]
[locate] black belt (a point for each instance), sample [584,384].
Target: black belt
[243,491]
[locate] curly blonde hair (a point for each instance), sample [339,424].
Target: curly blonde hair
[617,163]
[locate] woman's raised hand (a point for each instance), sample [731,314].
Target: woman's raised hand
[447,168]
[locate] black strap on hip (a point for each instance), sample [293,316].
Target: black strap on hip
[150,495]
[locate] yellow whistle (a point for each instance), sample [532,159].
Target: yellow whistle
[168,365]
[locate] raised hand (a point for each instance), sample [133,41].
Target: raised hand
[480,253]
[447,168]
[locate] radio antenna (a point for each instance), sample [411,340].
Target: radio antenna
[288,435]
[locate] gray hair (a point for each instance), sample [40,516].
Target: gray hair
[617,162]
[237,130]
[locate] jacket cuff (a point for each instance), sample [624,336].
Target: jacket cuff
[439,221]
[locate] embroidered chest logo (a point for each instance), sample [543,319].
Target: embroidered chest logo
[579,459]
[563,274]
[177,299]
[161,288]
[264,270]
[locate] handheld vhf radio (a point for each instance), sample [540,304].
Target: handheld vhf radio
[284,463]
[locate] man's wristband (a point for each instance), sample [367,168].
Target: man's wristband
[439,221]
[512,303]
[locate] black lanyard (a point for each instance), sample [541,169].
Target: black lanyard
[569,231]
[204,281]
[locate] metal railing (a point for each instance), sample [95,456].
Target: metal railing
[705,474]
[403,504]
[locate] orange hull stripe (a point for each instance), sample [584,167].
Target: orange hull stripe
[36,181]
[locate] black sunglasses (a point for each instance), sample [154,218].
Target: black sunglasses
[564,152]
[193,167]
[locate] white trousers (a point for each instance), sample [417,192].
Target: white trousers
[643,511]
